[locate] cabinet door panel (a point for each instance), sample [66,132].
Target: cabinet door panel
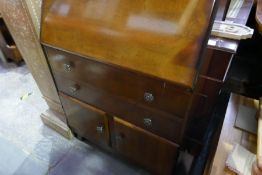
[152,152]
[86,120]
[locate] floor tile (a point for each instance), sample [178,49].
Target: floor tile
[11,157]
[89,160]
[32,166]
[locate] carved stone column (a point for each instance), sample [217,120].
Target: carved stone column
[22,18]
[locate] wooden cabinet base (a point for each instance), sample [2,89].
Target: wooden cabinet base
[156,154]
[152,152]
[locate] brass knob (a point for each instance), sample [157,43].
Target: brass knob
[147,122]
[73,89]
[100,129]
[148,97]
[67,67]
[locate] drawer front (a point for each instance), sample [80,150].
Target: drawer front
[138,88]
[158,122]
[86,121]
[152,152]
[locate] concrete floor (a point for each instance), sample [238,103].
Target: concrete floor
[27,147]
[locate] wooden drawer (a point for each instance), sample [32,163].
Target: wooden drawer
[152,152]
[158,122]
[122,83]
[86,121]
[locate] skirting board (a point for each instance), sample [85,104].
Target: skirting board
[51,119]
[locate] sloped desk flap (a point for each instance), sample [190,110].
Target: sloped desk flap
[159,38]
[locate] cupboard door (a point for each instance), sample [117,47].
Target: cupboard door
[148,150]
[85,120]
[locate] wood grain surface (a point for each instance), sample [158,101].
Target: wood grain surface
[154,153]
[120,82]
[87,121]
[159,38]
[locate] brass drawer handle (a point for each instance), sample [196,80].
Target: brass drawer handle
[100,129]
[67,67]
[147,122]
[149,97]
[73,89]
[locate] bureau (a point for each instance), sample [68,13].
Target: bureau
[135,77]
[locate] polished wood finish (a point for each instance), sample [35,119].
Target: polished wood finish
[86,120]
[110,31]
[127,59]
[259,15]
[163,124]
[120,82]
[154,153]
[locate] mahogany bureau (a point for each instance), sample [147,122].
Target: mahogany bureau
[134,76]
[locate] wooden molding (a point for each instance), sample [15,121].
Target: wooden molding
[51,119]
[54,105]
